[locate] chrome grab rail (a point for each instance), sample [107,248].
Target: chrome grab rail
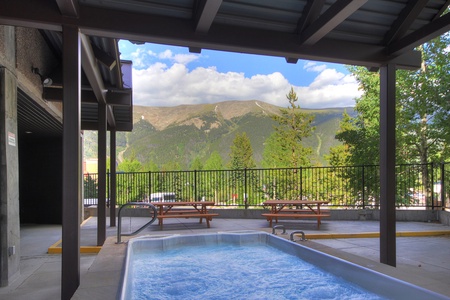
[279,227]
[119,228]
[297,231]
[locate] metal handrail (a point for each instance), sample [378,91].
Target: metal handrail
[295,232]
[119,228]
[278,227]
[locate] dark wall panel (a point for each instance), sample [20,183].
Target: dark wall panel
[40,180]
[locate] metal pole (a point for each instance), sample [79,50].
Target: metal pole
[71,195]
[113,182]
[387,165]
[443,204]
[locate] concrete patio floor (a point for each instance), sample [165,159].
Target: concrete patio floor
[421,260]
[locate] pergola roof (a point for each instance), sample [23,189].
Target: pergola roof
[360,32]
[369,33]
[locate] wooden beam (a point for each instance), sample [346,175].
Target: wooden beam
[173,31]
[387,165]
[93,75]
[71,195]
[423,35]
[119,97]
[404,21]
[101,205]
[113,176]
[56,95]
[310,13]
[68,7]
[329,20]
[204,14]
[113,97]
[93,125]
[104,58]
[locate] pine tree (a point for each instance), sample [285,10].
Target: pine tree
[241,153]
[293,126]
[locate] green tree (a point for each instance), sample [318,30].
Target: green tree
[241,159]
[422,106]
[340,155]
[130,165]
[171,166]
[214,162]
[241,153]
[216,180]
[293,126]
[421,110]
[274,155]
[196,164]
[151,166]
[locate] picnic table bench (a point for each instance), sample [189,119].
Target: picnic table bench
[195,209]
[290,209]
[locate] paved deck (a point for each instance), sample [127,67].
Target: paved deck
[421,260]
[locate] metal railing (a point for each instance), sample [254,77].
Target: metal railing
[153,215]
[418,185]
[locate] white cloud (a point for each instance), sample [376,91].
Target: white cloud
[138,57]
[143,58]
[178,58]
[312,66]
[161,77]
[163,85]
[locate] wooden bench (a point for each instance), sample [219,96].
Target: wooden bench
[208,217]
[295,215]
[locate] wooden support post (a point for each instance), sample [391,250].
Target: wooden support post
[387,165]
[71,197]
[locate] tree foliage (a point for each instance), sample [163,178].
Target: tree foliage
[241,154]
[214,162]
[284,148]
[422,105]
[422,131]
[130,165]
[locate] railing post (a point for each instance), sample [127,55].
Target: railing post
[108,195]
[443,204]
[432,186]
[363,189]
[195,186]
[149,190]
[301,183]
[245,188]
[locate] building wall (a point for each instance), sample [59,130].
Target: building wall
[24,165]
[9,176]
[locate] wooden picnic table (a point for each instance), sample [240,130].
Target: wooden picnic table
[184,209]
[295,209]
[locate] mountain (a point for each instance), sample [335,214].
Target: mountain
[183,133]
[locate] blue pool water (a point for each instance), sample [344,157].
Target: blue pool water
[250,265]
[234,272]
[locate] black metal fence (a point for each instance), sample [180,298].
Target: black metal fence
[418,186]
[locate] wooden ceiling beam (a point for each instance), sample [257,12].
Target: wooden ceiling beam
[428,32]
[103,22]
[330,19]
[204,14]
[404,21]
[68,8]
[310,13]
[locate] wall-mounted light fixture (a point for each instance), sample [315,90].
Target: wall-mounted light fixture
[46,81]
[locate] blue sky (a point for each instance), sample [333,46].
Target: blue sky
[169,76]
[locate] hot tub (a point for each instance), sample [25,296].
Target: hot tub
[249,265]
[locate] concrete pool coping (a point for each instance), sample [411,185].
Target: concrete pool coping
[367,279]
[104,276]
[423,261]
